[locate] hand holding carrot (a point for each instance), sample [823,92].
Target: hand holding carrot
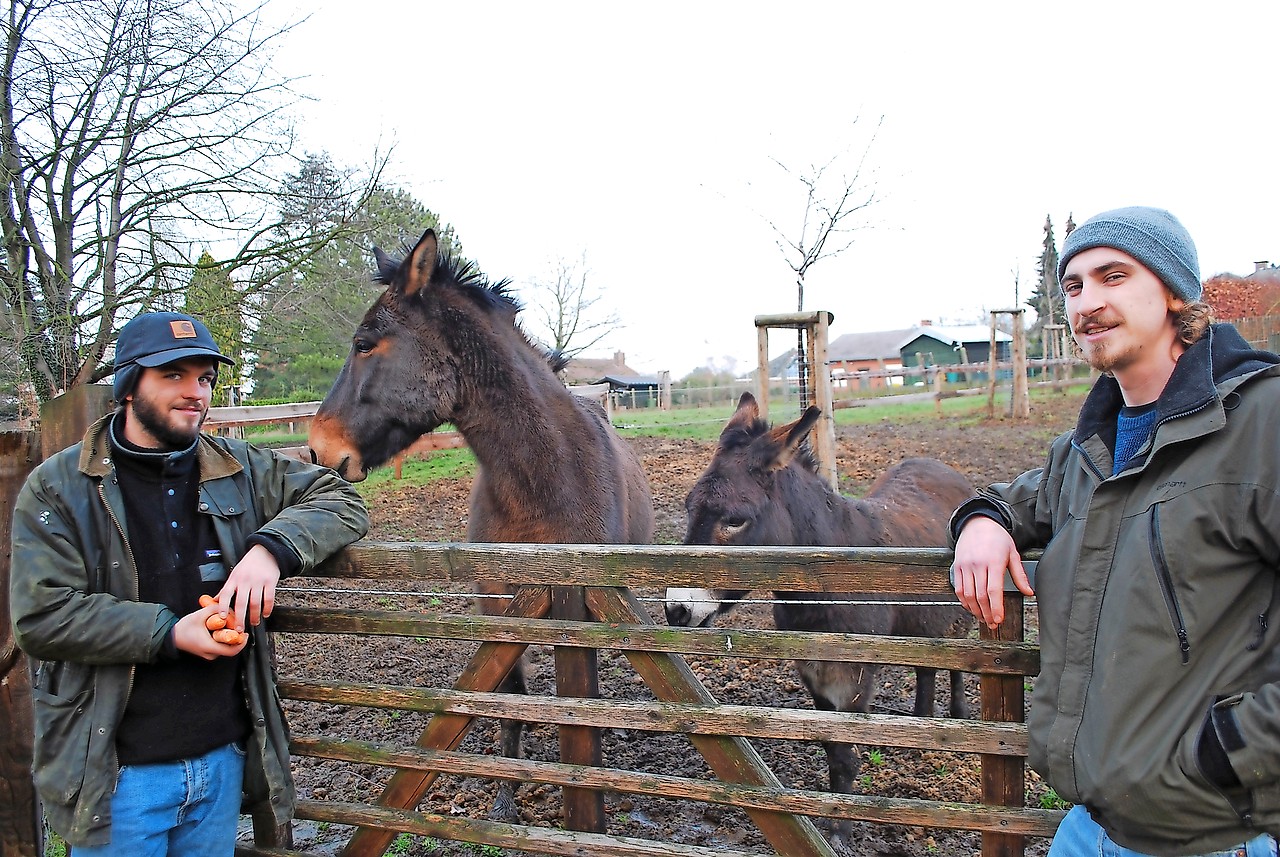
[193,632]
[250,589]
[222,625]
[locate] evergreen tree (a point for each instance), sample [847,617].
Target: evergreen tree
[213,298]
[309,312]
[1046,299]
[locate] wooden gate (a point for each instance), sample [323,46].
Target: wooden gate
[606,579]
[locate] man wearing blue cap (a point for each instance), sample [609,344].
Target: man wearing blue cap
[149,731]
[1157,707]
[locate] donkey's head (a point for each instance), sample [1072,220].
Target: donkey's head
[405,374]
[741,498]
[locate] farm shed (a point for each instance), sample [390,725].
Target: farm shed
[852,357]
[949,346]
[630,389]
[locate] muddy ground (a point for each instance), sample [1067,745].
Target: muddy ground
[985,451]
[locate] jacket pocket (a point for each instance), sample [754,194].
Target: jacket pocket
[63,730]
[213,572]
[1161,565]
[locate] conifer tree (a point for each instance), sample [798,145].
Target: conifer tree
[1046,299]
[213,298]
[305,319]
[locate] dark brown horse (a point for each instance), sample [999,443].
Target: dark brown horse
[441,344]
[762,488]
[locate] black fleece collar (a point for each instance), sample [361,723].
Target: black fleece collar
[173,462]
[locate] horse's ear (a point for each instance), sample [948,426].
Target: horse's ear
[789,437]
[386,266]
[420,263]
[745,416]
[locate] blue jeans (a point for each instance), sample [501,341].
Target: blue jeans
[1080,836]
[187,808]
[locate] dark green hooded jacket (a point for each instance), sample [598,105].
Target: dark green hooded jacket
[73,599]
[1157,596]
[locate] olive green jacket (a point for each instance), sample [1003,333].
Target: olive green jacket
[1157,595]
[73,599]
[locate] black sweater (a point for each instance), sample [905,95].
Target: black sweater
[181,706]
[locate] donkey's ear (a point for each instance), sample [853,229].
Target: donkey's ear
[420,262]
[789,437]
[745,416]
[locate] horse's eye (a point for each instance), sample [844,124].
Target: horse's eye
[364,346]
[733,526]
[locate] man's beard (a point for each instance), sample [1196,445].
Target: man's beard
[152,418]
[1108,358]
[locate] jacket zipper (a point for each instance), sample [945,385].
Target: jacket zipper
[133,668]
[1166,587]
[1087,460]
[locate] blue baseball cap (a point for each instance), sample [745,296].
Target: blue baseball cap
[156,338]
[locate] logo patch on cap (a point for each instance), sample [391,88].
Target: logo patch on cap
[183,330]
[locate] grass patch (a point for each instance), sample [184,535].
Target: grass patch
[443,464]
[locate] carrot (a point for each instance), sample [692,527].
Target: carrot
[223,625]
[230,636]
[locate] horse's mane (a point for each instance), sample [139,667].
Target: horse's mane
[740,436]
[463,274]
[453,272]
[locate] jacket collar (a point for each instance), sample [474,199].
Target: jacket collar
[96,454]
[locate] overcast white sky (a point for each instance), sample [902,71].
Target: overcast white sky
[644,134]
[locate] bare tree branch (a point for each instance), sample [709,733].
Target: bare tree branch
[135,135]
[831,215]
[567,308]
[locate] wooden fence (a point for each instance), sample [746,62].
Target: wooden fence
[580,599]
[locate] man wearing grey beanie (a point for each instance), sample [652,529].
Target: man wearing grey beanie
[1157,708]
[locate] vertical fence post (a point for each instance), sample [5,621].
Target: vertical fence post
[812,329]
[62,423]
[762,370]
[993,360]
[1021,400]
[577,675]
[21,830]
[820,377]
[1003,699]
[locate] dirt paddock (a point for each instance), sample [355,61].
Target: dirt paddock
[990,450]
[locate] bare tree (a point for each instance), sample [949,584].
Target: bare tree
[837,195]
[134,136]
[570,319]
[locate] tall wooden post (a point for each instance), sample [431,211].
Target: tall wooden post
[821,379]
[21,831]
[1020,402]
[816,325]
[1003,777]
[1021,399]
[578,675]
[762,372]
[992,360]
[63,422]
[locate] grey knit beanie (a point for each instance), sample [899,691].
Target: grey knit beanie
[1153,236]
